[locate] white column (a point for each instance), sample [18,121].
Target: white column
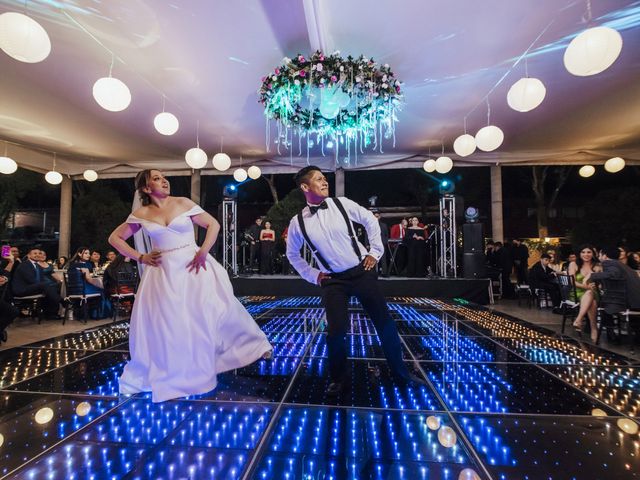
[497,228]
[195,186]
[339,183]
[65,217]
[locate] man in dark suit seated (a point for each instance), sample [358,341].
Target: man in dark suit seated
[620,284]
[28,279]
[542,277]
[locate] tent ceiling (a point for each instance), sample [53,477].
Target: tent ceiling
[207,58]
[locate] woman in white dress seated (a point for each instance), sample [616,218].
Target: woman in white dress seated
[186,324]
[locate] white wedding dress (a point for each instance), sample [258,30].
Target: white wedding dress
[185,327]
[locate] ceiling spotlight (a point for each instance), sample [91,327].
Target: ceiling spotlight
[471,214]
[586,171]
[593,51]
[489,138]
[254,172]
[614,165]
[526,94]
[23,39]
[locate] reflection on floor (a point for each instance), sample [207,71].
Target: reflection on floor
[504,399]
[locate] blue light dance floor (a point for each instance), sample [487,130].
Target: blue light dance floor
[503,400]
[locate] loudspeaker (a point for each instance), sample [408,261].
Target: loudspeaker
[473,265]
[472,238]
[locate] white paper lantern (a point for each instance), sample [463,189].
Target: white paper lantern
[489,138]
[196,158]
[166,123]
[627,426]
[526,94]
[240,175]
[254,172]
[83,409]
[1,439]
[90,175]
[23,39]
[444,164]
[447,437]
[614,165]
[586,171]
[221,161]
[53,177]
[8,165]
[429,165]
[44,415]
[593,51]
[433,422]
[464,145]
[468,474]
[111,94]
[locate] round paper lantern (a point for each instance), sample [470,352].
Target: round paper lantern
[586,171]
[598,412]
[23,39]
[614,165]
[444,164]
[196,157]
[464,145]
[44,415]
[429,165]
[240,175]
[221,161]
[526,94]
[1,439]
[433,422]
[8,165]
[111,94]
[592,51]
[254,172]
[90,175]
[489,138]
[83,409]
[447,437]
[627,426]
[53,177]
[166,123]
[468,474]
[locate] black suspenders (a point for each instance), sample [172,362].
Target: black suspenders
[316,252]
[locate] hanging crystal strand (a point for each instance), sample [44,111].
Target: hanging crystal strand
[279,135]
[322,149]
[291,150]
[380,127]
[307,138]
[375,136]
[392,124]
[355,148]
[363,135]
[337,146]
[299,143]
[267,133]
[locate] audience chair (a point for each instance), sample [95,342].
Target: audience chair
[569,307]
[126,288]
[76,297]
[31,303]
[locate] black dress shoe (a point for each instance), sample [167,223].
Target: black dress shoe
[335,389]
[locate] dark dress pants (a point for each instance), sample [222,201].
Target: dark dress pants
[336,292]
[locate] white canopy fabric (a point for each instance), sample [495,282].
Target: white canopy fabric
[207,58]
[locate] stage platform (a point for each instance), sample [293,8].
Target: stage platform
[504,400]
[473,290]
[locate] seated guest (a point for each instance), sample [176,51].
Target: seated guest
[621,285]
[80,269]
[633,261]
[416,249]
[585,265]
[47,268]
[120,264]
[555,263]
[17,258]
[95,260]
[61,263]
[572,257]
[28,280]
[7,311]
[109,258]
[267,244]
[543,278]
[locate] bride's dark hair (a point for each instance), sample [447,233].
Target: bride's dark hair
[141,182]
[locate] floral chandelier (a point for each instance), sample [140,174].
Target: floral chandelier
[351,102]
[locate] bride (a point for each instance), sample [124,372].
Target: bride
[186,324]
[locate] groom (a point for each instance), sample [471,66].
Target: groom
[346,268]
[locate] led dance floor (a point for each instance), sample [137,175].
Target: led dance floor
[504,400]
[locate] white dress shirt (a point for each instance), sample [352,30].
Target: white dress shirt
[328,232]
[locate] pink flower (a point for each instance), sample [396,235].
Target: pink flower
[303,73]
[270,85]
[263,79]
[277,71]
[322,58]
[300,58]
[334,78]
[398,89]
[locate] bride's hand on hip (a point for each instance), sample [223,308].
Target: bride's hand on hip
[153,259]
[199,261]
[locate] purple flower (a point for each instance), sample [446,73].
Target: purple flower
[270,85]
[303,73]
[334,78]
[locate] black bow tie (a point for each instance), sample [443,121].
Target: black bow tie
[314,208]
